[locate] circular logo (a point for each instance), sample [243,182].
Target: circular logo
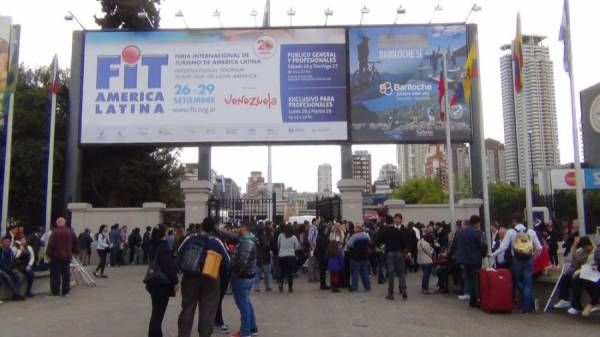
[131,54]
[265,47]
[570,179]
[595,115]
[456,111]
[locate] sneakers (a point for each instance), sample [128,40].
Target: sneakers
[562,304]
[223,329]
[254,332]
[464,297]
[590,309]
[573,311]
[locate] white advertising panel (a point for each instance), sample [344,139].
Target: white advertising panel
[280,85]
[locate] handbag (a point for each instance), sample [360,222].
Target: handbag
[155,275]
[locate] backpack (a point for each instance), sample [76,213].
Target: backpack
[192,254]
[523,246]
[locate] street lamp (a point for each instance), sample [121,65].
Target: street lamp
[437,8]
[179,14]
[474,8]
[401,10]
[144,15]
[217,14]
[328,12]
[71,17]
[291,12]
[363,12]
[254,14]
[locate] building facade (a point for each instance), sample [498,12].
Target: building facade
[539,110]
[361,168]
[496,161]
[411,161]
[389,173]
[324,183]
[255,181]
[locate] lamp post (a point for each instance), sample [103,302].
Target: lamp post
[328,12]
[474,8]
[437,8]
[217,14]
[254,14]
[363,11]
[399,11]
[291,12]
[71,17]
[179,14]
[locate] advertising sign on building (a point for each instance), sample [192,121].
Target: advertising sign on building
[564,179]
[395,73]
[214,86]
[590,124]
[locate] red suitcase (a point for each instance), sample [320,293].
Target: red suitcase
[496,290]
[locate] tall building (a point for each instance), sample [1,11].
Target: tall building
[226,188]
[361,168]
[254,183]
[496,161]
[411,161]
[540,111]
[461,162]
[436,163]
[389,173]
[324,179]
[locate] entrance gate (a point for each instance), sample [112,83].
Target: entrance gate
[225,210]
[329,209]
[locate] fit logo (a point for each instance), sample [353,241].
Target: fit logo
[111,66]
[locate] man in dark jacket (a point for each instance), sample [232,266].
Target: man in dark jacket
[9,275]
[35,241]
[85,246]
[146,242]
[243,262]
[61,247]
[320,251]
[468,250]
[396,247]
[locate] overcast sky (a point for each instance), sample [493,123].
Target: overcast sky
[44,33]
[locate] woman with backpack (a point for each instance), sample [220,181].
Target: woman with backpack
[103,246]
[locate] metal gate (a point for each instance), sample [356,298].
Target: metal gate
[226,210]
[329,209]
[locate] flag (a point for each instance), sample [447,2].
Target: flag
[54,82]
[565,36]
[267,15]
[441,95]
[517,56]
[471,72]
[459,95]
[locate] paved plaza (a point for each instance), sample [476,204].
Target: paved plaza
[120,307]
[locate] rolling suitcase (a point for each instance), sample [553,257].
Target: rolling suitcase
[496,290]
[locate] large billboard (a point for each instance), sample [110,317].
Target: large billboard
[590,124]
[5,24]
[216,86]
[564,179]
[394,76]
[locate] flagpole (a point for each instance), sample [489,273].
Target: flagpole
[267,23]
[448,143]
[7,160]
[577,159]
[50,172]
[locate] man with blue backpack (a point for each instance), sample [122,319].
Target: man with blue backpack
[202,259]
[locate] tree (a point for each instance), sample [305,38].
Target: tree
[505,200]
[123,14]
[421,190]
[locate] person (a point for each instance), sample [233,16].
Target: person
[228,238]
[425,259]
[523,254]
[551,237]
[583,248]
[161,292]
[124,251]
[243,263]
[593,288]
[85,246]
[443,263]
[494,231]
[358,248]
[115,241]
[197,289]
[263,260]
[335,264]
[134,241]
[337,234]
[61,247]
[9,275]
[35,241]
[146,244]
[468,250]
[103,246]
[171,240]
[501,261]
[320,254]
[395,249]
[179,234]
[380,255]
[311,238]
[572,232]
[287,245]
[24,262]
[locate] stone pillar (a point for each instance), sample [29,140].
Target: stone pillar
[351,191]
[77,216]
[196,193]
[153,212]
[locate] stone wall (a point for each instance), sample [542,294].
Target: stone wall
[424,213]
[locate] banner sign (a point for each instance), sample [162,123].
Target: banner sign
[5,24]
[564,179]
[277,85]
[395,73]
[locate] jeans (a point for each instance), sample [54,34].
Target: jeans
[12,281]
[523,280]
[160,299]
[115,256]
[564,286]
[29,277]
[265,271]
[287,265]
[241,293]
[360,268]
[134,255]
[592,288]
[427,268]
[60,273]
[102,254]
[201,292]
[322,272]
[381,268]
[471,274]
[395,267]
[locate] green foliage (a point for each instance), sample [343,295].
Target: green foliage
[421,190]
[123,14]
[505,200]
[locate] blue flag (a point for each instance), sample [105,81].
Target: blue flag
[565,36]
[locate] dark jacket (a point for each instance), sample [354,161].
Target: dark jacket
[165,261]
[263,251]
[85,241]
[394,239]
[7,260]
[243,259]
[469,246]
[63,244]
[321,246]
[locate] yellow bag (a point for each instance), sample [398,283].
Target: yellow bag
[212,264]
